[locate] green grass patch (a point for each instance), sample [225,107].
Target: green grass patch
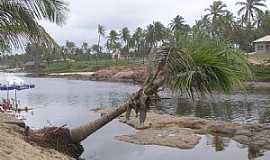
[261,73]
[86,66]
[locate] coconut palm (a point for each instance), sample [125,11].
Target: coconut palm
[159,31]
[112,41]
[138,38]
[249,9]
[194,65]
[203,24]
[150,35]
[101,32]
[264,22]
[216,10]
[155,33]
[125,35]
[19,20]
[70,46]
[84,47]
[177,23]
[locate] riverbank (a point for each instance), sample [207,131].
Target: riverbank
[131,74]
[14,146]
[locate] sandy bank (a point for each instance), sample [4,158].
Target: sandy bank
[72,74]
[14,147]
[132,74]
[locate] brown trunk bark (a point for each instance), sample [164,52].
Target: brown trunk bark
[82,132]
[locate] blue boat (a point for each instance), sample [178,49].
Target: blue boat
[16,87]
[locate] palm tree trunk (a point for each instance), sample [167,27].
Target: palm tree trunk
[99,43]
[80,133]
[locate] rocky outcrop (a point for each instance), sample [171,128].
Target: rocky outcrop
[182,132]
[172,137]
[132,74]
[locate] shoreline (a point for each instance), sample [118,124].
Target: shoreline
[14,145]
[128,75]
[135,75]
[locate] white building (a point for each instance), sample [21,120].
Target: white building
[262,45]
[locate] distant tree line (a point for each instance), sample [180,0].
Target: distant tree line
[251,22]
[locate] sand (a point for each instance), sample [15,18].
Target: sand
[14,147]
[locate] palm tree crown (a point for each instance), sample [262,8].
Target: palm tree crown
[177,23]
[249,9]
[112,42]
[125,35]
[216,10]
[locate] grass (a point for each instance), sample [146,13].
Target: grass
[261,73]
[260,56]
[86,66]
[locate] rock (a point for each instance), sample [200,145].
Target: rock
[244,132]
[172,137]
[157,124]
[242,139]
[124,75]
[222,127]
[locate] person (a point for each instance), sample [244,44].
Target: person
[6,104]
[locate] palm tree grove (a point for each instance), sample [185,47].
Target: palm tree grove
[134,80]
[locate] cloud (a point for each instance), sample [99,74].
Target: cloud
[85,15]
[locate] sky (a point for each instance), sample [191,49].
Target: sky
[85,15]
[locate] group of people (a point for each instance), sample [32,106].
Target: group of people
[6,105]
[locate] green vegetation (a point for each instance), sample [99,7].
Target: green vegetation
[201,64]
[19,21]
[261,73]
[85,66]
[236,31]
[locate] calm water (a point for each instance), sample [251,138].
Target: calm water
[239,107]
[61,101]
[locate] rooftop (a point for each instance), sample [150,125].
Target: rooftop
[263,39]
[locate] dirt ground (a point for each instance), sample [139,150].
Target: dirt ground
[14,147]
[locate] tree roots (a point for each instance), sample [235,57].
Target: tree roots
[57,138]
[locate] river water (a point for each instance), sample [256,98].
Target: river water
[59,101]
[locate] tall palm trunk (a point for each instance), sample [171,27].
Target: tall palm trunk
[80,133]
[99,43]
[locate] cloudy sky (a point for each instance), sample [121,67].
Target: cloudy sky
[85,15]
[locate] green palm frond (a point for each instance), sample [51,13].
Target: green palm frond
[200,64]
[19,20]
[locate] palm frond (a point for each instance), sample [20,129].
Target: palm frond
[18,20]
[200,65]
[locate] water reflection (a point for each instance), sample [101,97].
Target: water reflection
[250,107]
[221,143]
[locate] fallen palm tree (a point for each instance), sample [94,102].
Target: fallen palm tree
[196,65]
